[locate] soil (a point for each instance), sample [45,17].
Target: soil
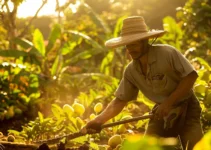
[12,124]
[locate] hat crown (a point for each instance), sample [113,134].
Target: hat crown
[133,25]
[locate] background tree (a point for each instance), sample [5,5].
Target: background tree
[9,15]
[195,21]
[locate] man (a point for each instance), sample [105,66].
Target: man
[164,76]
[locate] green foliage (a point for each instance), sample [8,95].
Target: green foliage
[74,66]
[3,33]
[38,42]
[195,22]
[137,142]
[107,63]
[60,123]
[51,62]
[95,26]
[204,143]
[42,128]
[12,53]
[19,89]
[202,90]
[174,33]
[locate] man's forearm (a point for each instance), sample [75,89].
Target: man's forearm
[182,89]
[113,109]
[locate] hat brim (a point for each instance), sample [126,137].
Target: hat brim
[124,40]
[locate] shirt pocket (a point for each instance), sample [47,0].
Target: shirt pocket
[158,82]
[163,84]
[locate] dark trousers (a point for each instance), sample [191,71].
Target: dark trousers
[190,132]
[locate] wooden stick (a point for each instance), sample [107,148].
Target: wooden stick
[127,121]
[78,134]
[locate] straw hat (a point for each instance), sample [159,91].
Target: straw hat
[133,29]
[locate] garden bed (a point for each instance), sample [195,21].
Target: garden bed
[18,146]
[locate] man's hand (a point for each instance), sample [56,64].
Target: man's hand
[93,126]
[163,110]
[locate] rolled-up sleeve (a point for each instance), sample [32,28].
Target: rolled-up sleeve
[126,90]
[180,64]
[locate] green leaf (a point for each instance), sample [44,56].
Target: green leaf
[141,123]
[56,110]
[80,140]
[38,41]
[94,146]
[174,33]
[24,43]
[96,18]
[40,116]
[68,48]
[54,35]
[86,37]
[14,132]
[76,58]
[56,65]
[202,62]
[106,63]
[118,26]
[12,53]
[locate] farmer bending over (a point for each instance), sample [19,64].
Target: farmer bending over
[164,76]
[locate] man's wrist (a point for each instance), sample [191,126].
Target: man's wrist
[170,102]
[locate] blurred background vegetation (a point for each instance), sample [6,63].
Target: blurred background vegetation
[49,62]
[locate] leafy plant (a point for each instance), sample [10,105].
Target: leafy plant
[195,27]
[54,61]
[174,33]
[203,90]
[19,90]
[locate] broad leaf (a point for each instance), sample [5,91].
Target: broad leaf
[27,45]
[96,18]
[56,110]
[174,35]
[23,43]
[38,41]
[106,63]
[118,26]
[203,62]
[40,116]
[57,65]
[83,55]
[86,37]
[12,53]
[54,35]
[68,47]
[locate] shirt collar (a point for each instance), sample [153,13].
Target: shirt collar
[152,55]
[151,58]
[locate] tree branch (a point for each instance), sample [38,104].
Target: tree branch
[13,16]
[32,19]
[59,11]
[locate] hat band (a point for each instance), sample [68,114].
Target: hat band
[133,32]
[135,28]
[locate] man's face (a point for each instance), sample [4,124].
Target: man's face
[135,49]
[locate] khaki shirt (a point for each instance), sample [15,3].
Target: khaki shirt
[165,69]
